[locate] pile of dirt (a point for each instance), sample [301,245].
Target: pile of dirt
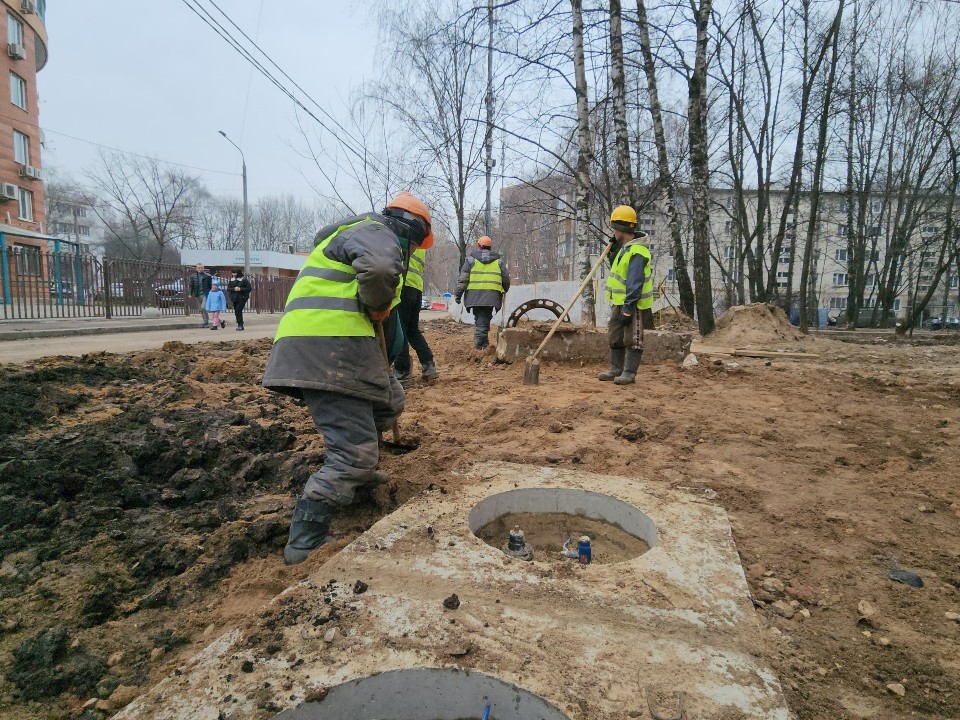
[676,321]
[755,326]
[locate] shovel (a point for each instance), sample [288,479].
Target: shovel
[531,371]
[397,447]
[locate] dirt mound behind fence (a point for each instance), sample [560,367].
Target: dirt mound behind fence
[759,325]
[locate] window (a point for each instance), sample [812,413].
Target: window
[783,275]
[874,231]
[18,91]
[838,303]
[14,30]
[875,256]
[729,253]
[840,279]
[955,282]
[670,278]
[896,305]
[26,204]
[840,255]
[80,211]
[733,277]
[728,226]
[730,202]
[28,260]
[842,230]
[843,206]
[83,229]
[876,206]
[871,280]
[930,229]
[21,148]
[870,302]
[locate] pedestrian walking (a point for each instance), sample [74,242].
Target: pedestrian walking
[326,352]
[198,285]
[630,292]
[216,304]
[239,289]
[411,299]
[484,280]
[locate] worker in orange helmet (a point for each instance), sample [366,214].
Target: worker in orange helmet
[326,353]
[484,280]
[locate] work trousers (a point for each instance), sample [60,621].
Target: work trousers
[410,299]
[481,330]
[200,303]
[238,306]
[351,430]
[630,335]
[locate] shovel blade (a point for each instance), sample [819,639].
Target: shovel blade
[531,372]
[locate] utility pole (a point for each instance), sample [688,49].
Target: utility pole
[488,215]
[246,225]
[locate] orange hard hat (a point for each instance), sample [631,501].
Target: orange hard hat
[410,203]
[485,242]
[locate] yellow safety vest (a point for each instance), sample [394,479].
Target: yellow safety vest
[617,279]
[486,276]
[415,270]
[325,299]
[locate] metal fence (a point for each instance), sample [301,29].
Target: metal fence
[37,284]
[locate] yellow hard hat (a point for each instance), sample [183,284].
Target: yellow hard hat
[624,217]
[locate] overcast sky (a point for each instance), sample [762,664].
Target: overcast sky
[151,78]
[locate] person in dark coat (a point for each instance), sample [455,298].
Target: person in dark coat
[239,289]
[198,285]
[484,280]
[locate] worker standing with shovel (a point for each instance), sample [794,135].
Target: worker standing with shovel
[630,292]
[326,352]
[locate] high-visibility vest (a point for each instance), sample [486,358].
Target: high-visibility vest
[617,279]
[486,276]
[415,270]
[325,299]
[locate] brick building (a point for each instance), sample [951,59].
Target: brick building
[21,184]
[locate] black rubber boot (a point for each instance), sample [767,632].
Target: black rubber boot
[616,364]
[430,371]
[308,530]
[630,365]
[404,379]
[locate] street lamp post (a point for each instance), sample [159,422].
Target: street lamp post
[246,226]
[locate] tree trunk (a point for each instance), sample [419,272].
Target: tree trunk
[584,159]
[700,173]
[818,163]
[618,84]
[667,182]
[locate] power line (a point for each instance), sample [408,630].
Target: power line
[133,154]
[361,154]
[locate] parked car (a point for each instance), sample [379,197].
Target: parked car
[170,293]
[65,290]
[936,323]
[425,304]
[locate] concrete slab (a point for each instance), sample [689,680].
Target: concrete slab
[673,628]
[581,344]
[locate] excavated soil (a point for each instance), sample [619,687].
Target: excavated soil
[547,532]
[144,501]
[755,326]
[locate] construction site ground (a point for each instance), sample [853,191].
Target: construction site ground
[144,500]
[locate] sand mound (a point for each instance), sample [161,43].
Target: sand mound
[673,319]
[759,325]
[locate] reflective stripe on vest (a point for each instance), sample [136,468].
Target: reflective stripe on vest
[415,271]
[617,278]
[325,299]
[486,276]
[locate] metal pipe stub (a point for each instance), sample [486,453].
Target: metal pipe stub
[517,545]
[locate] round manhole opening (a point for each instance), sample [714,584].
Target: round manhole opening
[553,520]
[425,694]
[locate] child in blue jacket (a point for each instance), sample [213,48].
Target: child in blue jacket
[216,303]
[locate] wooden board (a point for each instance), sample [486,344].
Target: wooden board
[745,352]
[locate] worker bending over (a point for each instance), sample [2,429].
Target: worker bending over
[484,280]
[630,292]
[326,352]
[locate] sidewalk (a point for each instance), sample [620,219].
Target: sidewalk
[79,336]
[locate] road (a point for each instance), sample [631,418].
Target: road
[257,326]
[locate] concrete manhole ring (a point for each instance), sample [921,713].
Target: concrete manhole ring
[619,531]
[535,304]
[425,694]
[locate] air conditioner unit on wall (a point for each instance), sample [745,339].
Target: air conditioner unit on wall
[8,191]
[28,6]
[33,173]
[16,51]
